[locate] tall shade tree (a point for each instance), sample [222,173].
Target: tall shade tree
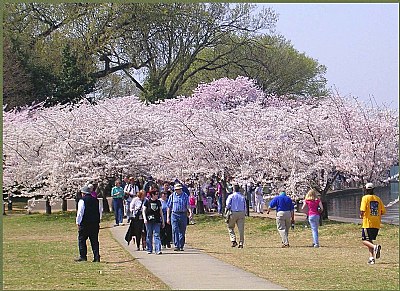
[37,33]
[174,37]
[280,70]
[17,81]
[159,47]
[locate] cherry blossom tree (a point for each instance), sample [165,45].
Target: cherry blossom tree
[226,126]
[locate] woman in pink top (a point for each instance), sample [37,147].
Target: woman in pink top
[313,204]
[192,203]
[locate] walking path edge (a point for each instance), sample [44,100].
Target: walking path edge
[181,270]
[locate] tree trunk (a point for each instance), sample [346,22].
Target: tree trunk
[64,204]
[324,195]
[223,182]
[247,196]
[199,205]
[324,214]
[324,201]
[106,207]
[48,206]
[102,194]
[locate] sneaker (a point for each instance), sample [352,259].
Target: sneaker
[240,246]
[176,249]
[377,251]
[234,244]
[81,260]
[371,261]
[169,246]
[96,260]
[159,253]
[117,224]
[149,252]
[316,246]
[181,249]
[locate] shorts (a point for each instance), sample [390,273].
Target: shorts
[369,234]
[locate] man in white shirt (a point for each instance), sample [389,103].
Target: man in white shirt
[130,190]
[88,221]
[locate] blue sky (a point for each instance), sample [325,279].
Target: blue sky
[359,44]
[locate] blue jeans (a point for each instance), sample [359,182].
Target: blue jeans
[219,203]
[179,223]
[153,228]
[314,223]
[118,207]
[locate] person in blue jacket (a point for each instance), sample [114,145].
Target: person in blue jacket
[284,215]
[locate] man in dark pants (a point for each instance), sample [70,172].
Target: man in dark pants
[88,221]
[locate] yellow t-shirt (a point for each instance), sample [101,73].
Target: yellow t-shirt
[373,210]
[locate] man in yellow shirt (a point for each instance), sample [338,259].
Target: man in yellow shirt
[371,210]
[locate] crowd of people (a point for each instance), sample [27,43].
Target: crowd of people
[371,211]
[159,212]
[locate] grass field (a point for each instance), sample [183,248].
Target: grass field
[39,252]
[340,263]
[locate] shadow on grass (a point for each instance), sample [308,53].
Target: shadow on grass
[180,253]
[118,262]
[386,263]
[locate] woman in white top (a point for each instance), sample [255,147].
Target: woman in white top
[139,229]
[259,198]
[130,191]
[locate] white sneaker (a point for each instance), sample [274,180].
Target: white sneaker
[377,251]
[371,261]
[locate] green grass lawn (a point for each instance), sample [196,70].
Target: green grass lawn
[39,252]
[340,262]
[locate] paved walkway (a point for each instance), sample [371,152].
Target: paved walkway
[186,266]
[193,269]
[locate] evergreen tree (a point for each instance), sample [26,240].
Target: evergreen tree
[72,84]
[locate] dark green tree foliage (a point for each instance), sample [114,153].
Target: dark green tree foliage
[153,90]
[282,71]
[164,49]
[26,80]
[37,33]
[272,61]
[17,81]
[73,82]
[43,79]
